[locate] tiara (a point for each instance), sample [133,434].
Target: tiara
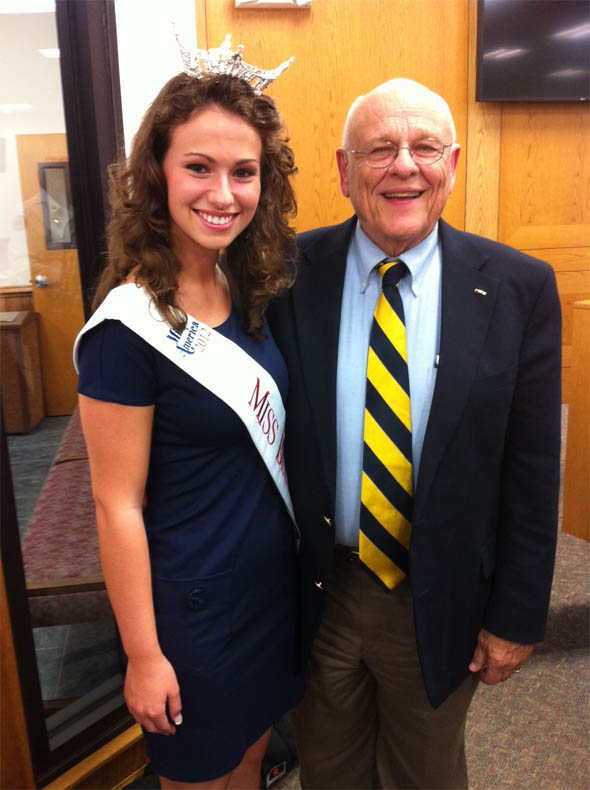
[222,60]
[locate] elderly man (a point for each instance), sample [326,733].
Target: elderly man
[422,453]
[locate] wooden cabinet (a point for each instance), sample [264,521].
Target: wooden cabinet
[20,371]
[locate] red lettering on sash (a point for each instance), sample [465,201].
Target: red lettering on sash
[273,431]
[259,403]
[265,414]
[280,457]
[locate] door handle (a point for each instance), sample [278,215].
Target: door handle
[42,282]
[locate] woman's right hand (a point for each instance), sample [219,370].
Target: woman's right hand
[152,694]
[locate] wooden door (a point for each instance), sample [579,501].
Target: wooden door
[59,303]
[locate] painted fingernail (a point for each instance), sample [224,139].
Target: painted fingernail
[178,719]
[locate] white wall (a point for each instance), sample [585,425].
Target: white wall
[33,80]
[148,57]
[148,52]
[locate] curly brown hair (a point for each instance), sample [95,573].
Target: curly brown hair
[259,263]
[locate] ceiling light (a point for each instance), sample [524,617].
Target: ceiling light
[8,109]
[27,6]
[566,73]
[579,31]
[502,53]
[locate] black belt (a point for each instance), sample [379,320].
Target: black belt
[346,552]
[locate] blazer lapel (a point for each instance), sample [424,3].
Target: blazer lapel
[468,296]
[317,299]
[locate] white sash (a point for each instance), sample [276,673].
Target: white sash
[217,363]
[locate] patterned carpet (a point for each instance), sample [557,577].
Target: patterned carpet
[531,733]
[76,643]
[31,456]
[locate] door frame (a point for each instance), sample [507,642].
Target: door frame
[87,37]
[92,106]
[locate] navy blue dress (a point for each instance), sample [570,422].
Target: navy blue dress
[221,550]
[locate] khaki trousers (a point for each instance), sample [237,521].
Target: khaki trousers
[365,721]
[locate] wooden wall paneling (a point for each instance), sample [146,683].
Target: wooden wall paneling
[545,198]
[545,176]
[572,271]
[16,768]
[344,48]
[565,259]
[482,153]
[576,499]
[201,23]
[566,379]
[573,287]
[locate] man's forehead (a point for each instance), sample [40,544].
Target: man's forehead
[380,114]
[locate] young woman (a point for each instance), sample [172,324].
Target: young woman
[196,540]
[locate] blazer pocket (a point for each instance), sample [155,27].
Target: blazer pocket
[193,618]
[488,558]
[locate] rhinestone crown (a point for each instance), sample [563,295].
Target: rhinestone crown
[222,60]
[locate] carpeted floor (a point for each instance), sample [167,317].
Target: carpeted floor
[531,733]
[73,658]
[31,455]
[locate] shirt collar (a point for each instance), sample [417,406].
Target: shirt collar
[368,255]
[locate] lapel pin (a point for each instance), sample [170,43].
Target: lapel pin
[479,291]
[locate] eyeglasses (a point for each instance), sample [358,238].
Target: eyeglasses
[423,152]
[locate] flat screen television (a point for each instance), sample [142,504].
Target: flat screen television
[533,50]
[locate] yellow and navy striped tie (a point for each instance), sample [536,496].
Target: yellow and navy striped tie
[387,493]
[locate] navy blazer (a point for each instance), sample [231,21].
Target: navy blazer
[485,512]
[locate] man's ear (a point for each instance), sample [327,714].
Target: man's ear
[454,159]
[342,161]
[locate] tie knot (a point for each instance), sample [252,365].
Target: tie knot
[392,271]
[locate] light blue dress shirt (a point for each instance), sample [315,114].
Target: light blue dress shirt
[420,293]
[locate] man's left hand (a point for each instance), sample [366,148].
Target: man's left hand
[497,659]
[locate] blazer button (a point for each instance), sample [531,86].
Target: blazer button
[197,598]
[319,585]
